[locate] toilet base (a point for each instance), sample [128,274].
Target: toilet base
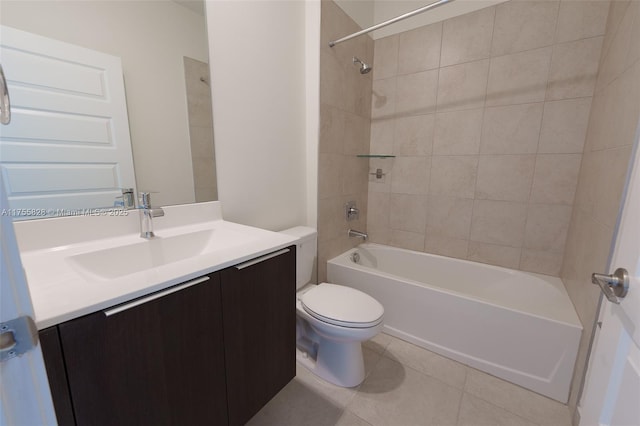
[340,363]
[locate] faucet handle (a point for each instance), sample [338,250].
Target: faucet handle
[145,199]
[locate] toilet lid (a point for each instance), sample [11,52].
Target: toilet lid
[343,306]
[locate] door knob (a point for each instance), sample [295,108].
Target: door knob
[613,286]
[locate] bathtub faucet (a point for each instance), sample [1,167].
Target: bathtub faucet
[354,233]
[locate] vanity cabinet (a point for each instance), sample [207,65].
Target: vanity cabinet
[259,318]
[210,351]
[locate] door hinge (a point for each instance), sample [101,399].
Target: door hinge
[17,337]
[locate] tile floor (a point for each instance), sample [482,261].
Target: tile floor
[409,386]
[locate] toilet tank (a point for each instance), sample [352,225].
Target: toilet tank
[306,250]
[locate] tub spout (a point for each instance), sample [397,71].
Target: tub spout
[354,233]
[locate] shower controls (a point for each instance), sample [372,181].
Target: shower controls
[352,212]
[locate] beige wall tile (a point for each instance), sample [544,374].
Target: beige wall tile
[511,129]
[354,175]
[383,184]
[449,217]
[332,81]
[524,25]
[332,122]
[201,142]
[356,134]
[385,58]
[463,86]
[419,49]
[468,37]
[407,240]
[329,175]
[556,178]
[617,12]
[574,67]
[564,126]
[519,78]
[378,235]
[330,219]
[416,93]
[453,176]
[541,261]
[614,60]
[547,227]
[505,177]
[413,135]
[498,222]
[378,210]
[609,184]
[492,254]
[634,42]
[615,111]
[383,99]
[408,212]
[382,131]
[411,175]
[445,246]
[457,132]
[581,19]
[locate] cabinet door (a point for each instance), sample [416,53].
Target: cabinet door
[57,375]
[259,331]
[157,363]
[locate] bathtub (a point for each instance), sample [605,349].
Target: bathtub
[518,326]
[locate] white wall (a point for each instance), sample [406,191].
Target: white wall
[151,38]
[368,13]
[312,74]
[258,63]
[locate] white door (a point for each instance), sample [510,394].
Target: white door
[612,391]
[24,389]
[68,145]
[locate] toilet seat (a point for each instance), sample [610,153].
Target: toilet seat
[342,306]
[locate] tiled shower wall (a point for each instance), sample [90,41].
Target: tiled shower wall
[345,111]
[486,114]
[615,117]
[201,129]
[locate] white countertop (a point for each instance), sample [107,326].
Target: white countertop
[60,290]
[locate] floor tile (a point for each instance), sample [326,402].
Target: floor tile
[397,395]
[379,343]
[476,412]
[337,395]
[530,405]
[432,364]
[298,404]
[350,419]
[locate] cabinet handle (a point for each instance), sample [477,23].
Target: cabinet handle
[154,296]
[262,258]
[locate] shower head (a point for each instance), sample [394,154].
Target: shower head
[364,68]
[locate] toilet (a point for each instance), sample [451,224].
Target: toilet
[332,320]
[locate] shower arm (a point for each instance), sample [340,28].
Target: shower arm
[391,21]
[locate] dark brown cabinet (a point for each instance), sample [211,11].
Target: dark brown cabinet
[211,351]
[258,299]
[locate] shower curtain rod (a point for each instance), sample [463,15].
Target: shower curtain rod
[391,21]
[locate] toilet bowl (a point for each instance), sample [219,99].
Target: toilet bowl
[332,320]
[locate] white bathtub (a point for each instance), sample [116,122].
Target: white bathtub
[514,325]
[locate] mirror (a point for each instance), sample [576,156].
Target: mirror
[164,52]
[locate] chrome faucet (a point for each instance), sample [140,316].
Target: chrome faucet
[147,213]
[354,233]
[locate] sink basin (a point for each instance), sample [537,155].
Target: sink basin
[143,255]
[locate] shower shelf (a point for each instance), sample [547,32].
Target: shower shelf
[375,156]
